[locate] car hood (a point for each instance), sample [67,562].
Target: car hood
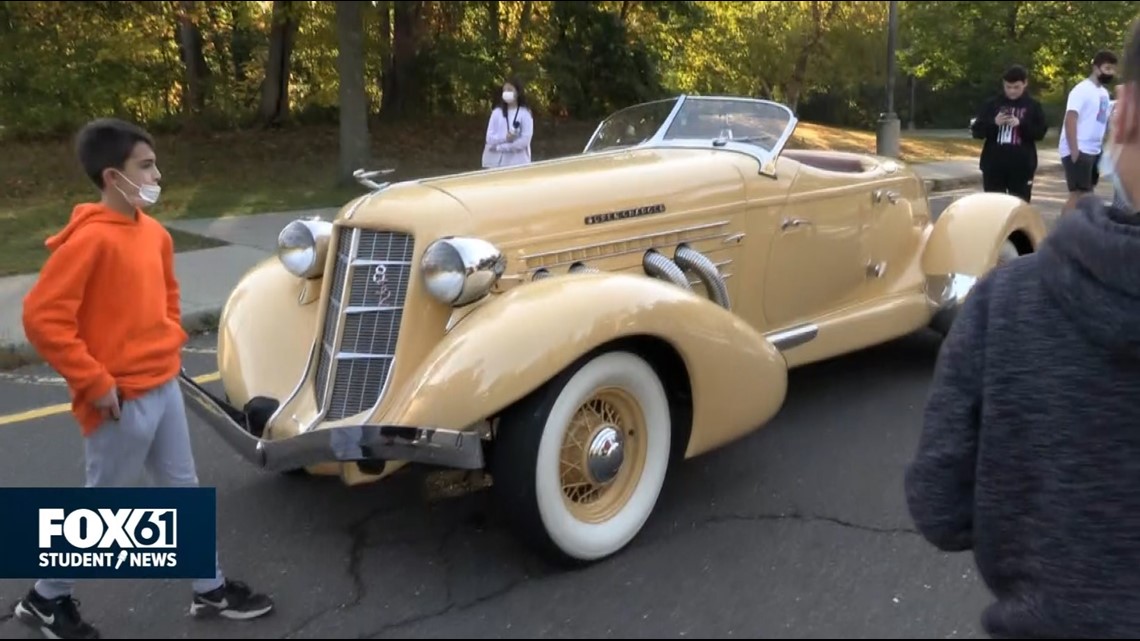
[573,195]
[555,206]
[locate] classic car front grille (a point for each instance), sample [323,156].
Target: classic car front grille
[373,269]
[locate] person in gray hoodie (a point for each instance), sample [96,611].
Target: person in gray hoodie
[1030,449]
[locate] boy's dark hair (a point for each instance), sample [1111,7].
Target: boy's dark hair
[107,143]
[1016,73]
[1104,56]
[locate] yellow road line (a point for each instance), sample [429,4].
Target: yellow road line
[61,408]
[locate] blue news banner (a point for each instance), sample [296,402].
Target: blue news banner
[108,533]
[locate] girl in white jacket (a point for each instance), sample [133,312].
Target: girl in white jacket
[509,130]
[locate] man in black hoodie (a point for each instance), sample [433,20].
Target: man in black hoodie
[1030,450]
[1011,123]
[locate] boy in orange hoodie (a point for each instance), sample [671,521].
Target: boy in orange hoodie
[105,314]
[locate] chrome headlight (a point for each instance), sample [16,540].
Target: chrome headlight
[301,247]
[458,271]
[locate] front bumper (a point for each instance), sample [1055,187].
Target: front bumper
[352,443]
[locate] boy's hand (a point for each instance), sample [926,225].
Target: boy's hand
[108,404]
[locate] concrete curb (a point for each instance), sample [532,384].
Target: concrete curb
[16,355]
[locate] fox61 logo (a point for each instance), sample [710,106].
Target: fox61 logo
[130,537]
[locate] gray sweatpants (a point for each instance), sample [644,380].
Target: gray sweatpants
[152,435]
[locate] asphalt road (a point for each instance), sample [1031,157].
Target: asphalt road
[798,531]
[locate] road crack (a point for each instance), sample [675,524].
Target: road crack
[449,608]
[803,518]
[357,532]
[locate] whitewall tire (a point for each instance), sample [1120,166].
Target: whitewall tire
[579,464]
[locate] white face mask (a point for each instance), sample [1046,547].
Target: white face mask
[508,96]
[148,194]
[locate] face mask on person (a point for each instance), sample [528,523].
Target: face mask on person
[148,194]
[508,97]
[1105,78]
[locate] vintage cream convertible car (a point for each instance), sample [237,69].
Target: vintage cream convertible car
[577,325]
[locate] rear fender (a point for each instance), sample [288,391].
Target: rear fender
[512,344]
[966,243]
[968,236]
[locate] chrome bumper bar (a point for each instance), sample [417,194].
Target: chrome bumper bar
[446,448]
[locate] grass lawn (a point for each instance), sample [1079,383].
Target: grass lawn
[240,173]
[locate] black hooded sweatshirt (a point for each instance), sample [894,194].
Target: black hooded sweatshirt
[1010,149]
[1030,451]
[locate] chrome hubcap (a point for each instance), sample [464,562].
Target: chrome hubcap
[604,458]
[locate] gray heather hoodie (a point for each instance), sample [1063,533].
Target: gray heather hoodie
[1030,450]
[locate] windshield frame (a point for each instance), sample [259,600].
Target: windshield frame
[765,158]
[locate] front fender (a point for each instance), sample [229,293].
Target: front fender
[969,234]
[246,341]
[514,343]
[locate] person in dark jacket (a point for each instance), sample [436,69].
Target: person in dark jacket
[1030,449]
[1011,123]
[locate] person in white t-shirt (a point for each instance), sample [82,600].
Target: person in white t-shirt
[1082,135]
[509,130]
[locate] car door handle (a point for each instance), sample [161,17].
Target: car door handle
[880,194]
[793,223]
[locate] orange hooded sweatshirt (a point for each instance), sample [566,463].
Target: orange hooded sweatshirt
[105,310]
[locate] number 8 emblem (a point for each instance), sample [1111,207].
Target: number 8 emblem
[380,278]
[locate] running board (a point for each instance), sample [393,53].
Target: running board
[793,337]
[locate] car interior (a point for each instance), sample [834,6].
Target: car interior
[835,161]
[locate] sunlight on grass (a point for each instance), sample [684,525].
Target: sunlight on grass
[912,148]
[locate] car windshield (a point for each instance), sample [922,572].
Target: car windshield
[712,121]
[632,126]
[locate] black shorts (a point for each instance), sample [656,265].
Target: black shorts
[1084,174]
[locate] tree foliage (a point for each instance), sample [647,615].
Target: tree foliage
[227,64]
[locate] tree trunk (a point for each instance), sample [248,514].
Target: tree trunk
[819,26]
[243,40]
[493,28]
[626,6]
[405,49]
[355,142]
[520,35]
[193,60]
[275,88]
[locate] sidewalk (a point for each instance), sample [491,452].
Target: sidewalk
[208,276]
[948,175]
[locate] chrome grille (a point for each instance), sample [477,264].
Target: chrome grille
[375,266]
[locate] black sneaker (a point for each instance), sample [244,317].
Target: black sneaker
[233,600]
[56,618]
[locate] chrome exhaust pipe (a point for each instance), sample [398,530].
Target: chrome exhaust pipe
[688,258]
[659,265]
[582,268]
